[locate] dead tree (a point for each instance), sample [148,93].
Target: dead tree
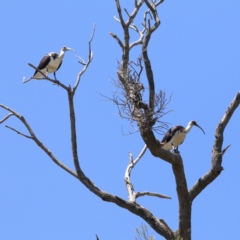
[147,115]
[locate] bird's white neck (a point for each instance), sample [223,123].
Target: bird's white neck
[188,128]
[61,53]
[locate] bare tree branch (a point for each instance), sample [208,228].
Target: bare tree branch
[132,207]
[148,68]
[152,8]
[90,58]
[141,35]
[120,13]
[163,222]
[160,1]
[134,13]
[73,132]
[140,194]
[132,163]
[45,77]
[132,27]
[36,140]
[4,119]
[225,149]
[20,133]
[132,196]
[217,151]
[131,106]
[118,40]
[154,145]
[185,204]
[140,155]
[139,41]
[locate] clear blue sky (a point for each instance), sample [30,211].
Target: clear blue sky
[195,57]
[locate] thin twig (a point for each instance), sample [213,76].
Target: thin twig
[4,119]
[225,149]
[20,133]
[90,58]
[140,194]
[152,8]
[160,1]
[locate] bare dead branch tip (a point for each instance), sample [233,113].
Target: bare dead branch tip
[86,64]
[118,40]
[129,185]
[140,194]
[225,149]
[120,13]
[18,132]
[4,119]
[132,196]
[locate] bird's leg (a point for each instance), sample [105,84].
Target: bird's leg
[176,150]
[46,72]
[55,76]
[55,79]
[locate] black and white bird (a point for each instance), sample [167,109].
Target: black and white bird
[51,62]
[176,135]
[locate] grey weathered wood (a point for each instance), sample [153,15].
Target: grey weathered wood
[145,120]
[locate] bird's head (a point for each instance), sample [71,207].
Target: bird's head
[194,123]
[64,49]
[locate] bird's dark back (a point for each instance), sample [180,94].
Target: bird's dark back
[171,132]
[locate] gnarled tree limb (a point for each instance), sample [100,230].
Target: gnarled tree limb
[217,151]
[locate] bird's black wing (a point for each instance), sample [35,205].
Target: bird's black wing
[44,62]
[170,133]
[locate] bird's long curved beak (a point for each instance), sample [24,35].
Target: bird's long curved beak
[199,127]
[70,49]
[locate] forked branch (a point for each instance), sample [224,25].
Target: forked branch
[18,132]
[132,163]
[86,64]
[217,151]
[36,140]
[8,116]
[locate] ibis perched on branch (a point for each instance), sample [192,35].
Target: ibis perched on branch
[51,62]
[176,135]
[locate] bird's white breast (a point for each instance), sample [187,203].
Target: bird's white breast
[178,138]
[175,141]
[53,64]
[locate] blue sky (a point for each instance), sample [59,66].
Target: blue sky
[195,57]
